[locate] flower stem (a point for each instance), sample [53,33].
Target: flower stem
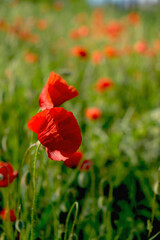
[21,170]
[34,194]
[67,220]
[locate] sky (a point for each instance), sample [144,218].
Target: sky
[99,2]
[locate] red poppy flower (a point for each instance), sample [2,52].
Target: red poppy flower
[82,31]
[73,160]
[7,175]
[103,84]
[86,165]
[42,24]
[93,113]
[134,18]
[58,5]
[7,215]
[97,57]
[141,47]
[111,52]
[56,92]
[31,57]
[79,52]
[58,131]
[114,29]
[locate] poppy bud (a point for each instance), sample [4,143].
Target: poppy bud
[83,179]
[19,225]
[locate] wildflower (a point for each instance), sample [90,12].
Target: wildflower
[7,215]
[93,113]
[31,57]
[114,29]
[74,160]
[58,131]
[111,52]
[42,24]
[86,165]
[141,47]
[96,57]
[7,175]
[81,32]
[134,18]
[3,25]
[55,92]
[58,5]
[80,52]
[103,84]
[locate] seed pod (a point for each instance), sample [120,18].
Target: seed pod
[83,179]
[73,237]
[19,225]
[102,203]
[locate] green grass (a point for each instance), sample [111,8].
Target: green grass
[114,199]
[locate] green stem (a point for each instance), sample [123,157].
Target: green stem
[21,170]
[68,217]
[34,193]
[154,236]
[153,212]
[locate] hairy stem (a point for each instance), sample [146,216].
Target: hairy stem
[34,194]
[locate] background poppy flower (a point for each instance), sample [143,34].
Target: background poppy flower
[96,57]
[93,113]
[58,131]
[7,175]
[134,18]
[42,24]
[7,215]
[55,92]
[31,57]
[73,160]
[141,47]
[80,52]
[114,29]
[111,52]
[103,84]
[86,165]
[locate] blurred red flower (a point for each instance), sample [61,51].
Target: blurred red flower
[73,160]
[42,24]
[114,29]
[93,113]
[58,131]
[103,84]
[96,57]
[141,47]
[134,18]
[31,57]
[7,175]
[111,52]
[58,5]
[79,51]
[3,25]
[55,92]
[7,215]
[86,165]
[82,31]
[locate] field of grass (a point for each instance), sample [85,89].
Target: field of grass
[116,197]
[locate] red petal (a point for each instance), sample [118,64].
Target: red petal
[55,92]
[55,155]
[37,122]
